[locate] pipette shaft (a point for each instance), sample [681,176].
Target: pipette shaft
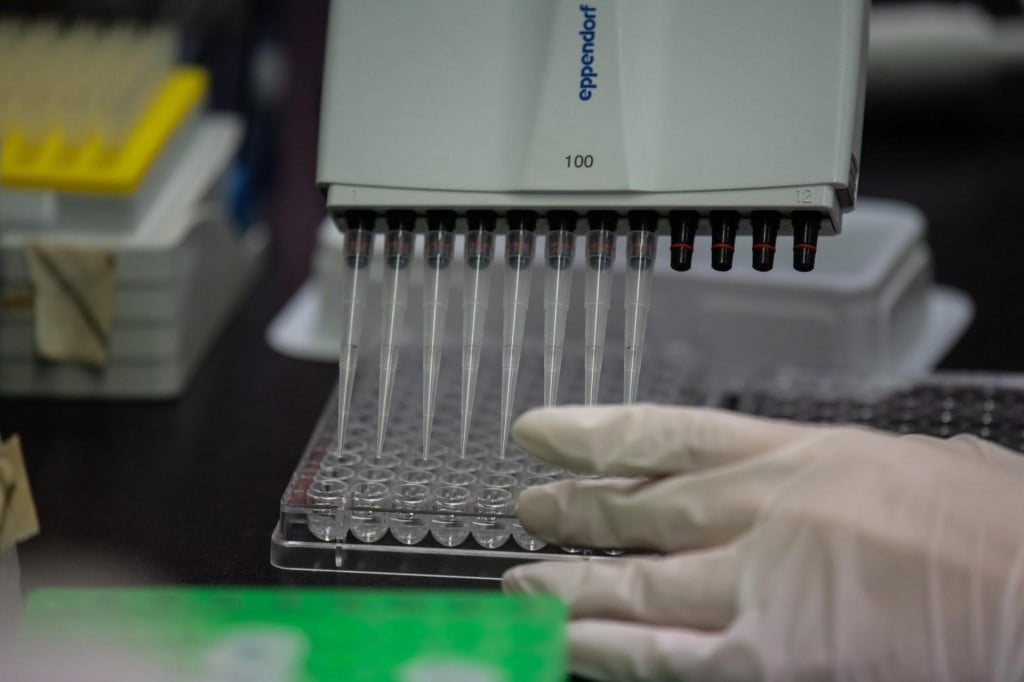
[600,258]
[394,296]
[518,258]
[357,249]
[640,253]
[438,256]
[479,252]
[560,248]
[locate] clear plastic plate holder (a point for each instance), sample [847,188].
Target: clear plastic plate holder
[448,516]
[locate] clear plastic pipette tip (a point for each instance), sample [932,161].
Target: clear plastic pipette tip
[479,252]
[559,250]
[600,258]
[470,369]
[438,252]
[357,248]
[397,252]
[518,258]
[640,253]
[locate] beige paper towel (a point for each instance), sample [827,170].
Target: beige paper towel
[18,520]
[74,302]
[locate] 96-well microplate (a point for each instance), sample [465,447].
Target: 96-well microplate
[441,515]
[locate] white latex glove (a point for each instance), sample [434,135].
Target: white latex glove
[790,552]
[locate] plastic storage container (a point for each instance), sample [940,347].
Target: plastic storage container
[180,272]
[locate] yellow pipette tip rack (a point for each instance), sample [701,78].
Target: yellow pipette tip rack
[95,165]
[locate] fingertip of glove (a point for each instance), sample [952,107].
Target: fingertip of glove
[510,581]
[529,431]
[537,509]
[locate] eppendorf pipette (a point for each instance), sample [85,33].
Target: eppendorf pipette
[357,249]
[438,252]
[640,251]
[600,258]
[560,248]
[394,294]
[475,294]
[518,258]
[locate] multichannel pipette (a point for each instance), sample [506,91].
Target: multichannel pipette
[560,248]
[438,252]
[356,274]
[479,252]
[394,294]
[640,253]
[600,258]
[518,259]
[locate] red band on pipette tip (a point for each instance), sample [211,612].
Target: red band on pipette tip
[722,245]
[770,247]
[682,245]
[812,247]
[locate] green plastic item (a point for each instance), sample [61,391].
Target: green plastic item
[302,635]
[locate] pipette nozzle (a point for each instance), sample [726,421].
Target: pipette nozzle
[643,220]
[522,220]
[639,247]
[765,228]
[397,255]
[806,225]
[684,231]
[479,248]
[601,240]
[603,220]
[562,220]
[441,220]
[724,225]
[359,238]
[519,250]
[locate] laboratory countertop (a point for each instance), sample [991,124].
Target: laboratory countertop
[187,491]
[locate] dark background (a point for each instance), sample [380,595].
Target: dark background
[188,491]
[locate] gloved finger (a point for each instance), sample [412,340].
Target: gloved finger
[613,651]
[665,515]
[649,440]
[696,589]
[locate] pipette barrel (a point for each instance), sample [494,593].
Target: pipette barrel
[479,252]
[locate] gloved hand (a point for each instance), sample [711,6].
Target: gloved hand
[787,551]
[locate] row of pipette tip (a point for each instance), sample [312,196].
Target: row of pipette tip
[559,254]
[79,81]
